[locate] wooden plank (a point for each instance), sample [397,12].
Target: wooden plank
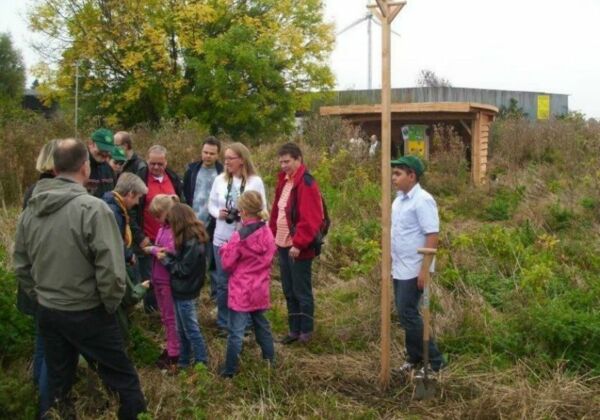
[395,8]
[476,151]
[465,126]
[464,107]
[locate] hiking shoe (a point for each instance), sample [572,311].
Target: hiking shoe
[289,339]
[406,369]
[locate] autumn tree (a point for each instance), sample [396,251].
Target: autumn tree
[12,72]
[237,66]
[428,78]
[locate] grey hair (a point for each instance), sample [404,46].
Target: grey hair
[130,183]
[158,149]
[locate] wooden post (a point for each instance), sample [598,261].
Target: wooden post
[388,10]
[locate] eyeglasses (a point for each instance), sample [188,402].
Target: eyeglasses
[159,164]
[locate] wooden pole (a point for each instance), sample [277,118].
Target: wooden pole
[388,11]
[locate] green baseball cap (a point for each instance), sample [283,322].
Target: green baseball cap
[118,154]
[412,162]
[104,139]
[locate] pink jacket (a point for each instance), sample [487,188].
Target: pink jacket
[164,239]
[247,257]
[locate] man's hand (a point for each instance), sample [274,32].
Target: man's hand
[147,249]
[223,214]
[294,252]
[146,284]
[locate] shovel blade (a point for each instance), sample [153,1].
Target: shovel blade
[425,389]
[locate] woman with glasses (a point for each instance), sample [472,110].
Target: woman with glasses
[239,176]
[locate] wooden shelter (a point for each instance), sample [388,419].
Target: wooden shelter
[472,120]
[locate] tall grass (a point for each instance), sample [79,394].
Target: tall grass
[516,295]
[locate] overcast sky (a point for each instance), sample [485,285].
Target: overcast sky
[532,45]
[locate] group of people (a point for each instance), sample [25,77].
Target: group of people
[103,229]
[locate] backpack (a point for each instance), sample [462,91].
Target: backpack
[319,239]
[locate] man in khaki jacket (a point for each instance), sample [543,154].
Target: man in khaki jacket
[69,258]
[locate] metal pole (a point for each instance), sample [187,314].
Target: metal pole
[76,97]
[370,53]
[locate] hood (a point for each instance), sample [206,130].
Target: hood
[109,198]
[256,240]
[50,195]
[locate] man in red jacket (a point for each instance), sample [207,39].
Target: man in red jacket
[296,218]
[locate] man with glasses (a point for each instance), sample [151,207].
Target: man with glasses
[160,180]
[100,148]
[117,161]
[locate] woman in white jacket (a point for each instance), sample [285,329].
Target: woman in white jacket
[239,176]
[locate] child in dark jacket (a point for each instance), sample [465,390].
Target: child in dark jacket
[247,258]
[187,267]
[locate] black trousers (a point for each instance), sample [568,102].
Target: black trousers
[95,334]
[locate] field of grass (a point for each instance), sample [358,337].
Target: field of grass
[516,294]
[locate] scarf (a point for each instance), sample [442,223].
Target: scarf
[127,235]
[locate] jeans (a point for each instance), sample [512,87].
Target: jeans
[40,371]
[94,333]
[296,280]
[190,336]
[212,274]
[222,283]
[145,270]
[237,325]
[407,296]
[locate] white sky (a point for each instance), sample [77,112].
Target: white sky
[532,45]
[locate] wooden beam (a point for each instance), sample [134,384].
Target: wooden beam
[382,8]
[466,108]
[395,9]
[476,166]
[375,10]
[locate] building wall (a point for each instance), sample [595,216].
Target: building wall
[559,103]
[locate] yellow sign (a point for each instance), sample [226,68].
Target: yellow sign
[416,148]
[543,107]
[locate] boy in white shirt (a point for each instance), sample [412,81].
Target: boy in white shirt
[415,224]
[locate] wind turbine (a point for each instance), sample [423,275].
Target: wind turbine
[370,19]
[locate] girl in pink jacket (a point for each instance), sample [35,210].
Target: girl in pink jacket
[247,258]
[161,279]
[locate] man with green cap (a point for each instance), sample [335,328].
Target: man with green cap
[415,224]
[117,161]
[102,178]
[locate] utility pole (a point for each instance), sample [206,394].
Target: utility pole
[386,11]
[76,98]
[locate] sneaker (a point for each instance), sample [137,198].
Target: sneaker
[289,339]
[407,368]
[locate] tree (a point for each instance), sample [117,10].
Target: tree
[428,78]
[238,66]
[12,72]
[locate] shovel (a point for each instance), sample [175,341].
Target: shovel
[425,386]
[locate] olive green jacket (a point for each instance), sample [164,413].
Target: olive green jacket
[68,250]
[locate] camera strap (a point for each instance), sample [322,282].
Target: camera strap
[230,186]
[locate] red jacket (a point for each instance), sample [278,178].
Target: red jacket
[307,196]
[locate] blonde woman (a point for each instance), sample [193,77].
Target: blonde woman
[239,176]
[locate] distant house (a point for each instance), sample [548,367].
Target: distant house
[31,101]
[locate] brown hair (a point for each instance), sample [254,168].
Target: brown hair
[251,202]
[162,203]
[185,225]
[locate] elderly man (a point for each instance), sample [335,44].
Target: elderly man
[68,257]
[160,180]
[100,147]
[197,183]
[134,163]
